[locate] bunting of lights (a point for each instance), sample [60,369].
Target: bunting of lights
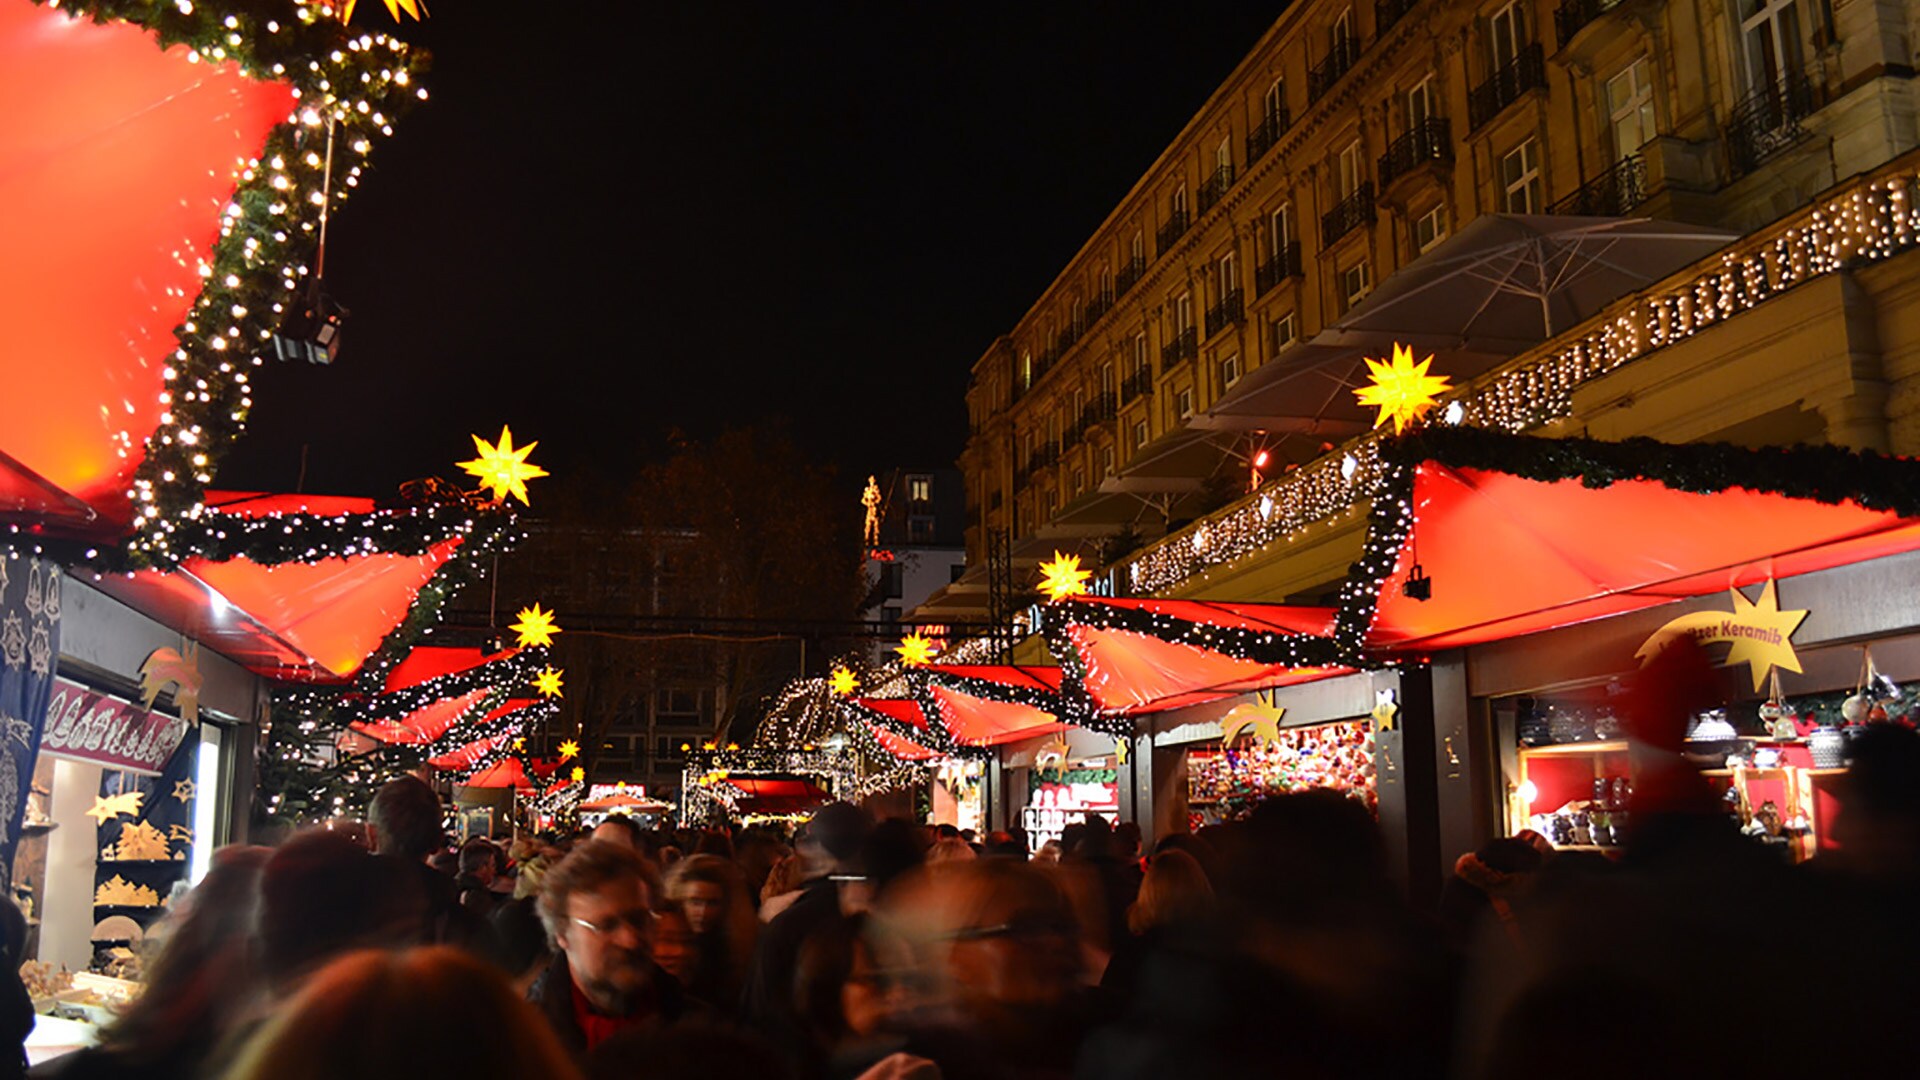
[705,793]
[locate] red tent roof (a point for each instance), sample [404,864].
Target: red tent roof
[116,162]
[507,772]
[425,662]
[425,724]
[979,721]
[776,795]
[904,710]
[904,749]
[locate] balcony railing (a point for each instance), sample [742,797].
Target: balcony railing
[1230,311]
[1340,58]
[1100,409]
[1429,140]
[1138,384]
[1097,307]
[1280,266]
[1527,71]
[1767,121]
[1184,346]
[1267,133]
[1129,275]
[1171,232]
[1572,15]
[1216,187]
[1611,194]
[1388,12]
[1347,215]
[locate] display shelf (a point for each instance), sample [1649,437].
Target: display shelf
[1609,746]
[38,828]
[142,862]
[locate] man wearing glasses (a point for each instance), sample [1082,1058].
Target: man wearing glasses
[597,906]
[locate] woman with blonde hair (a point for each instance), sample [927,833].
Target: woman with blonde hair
[426,1012]
[1174,893]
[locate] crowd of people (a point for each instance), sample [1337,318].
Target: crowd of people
[861,950]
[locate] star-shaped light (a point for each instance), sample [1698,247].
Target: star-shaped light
[547,682]
[842,682]
[578,774]
[1063,577]
[535,627]
[519,744]
[1385,708]
[415,8]
[915,650]
[503,469]
[569,750]
[1260,715]
[1401,389]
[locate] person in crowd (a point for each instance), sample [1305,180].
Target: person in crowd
[1487,884]
[713,894]
[597,905]
[894,847]
[522,941]
[1174,895]
[425,1012]
[1049,853]
[695,1051]
[949,849]
[834,839]
[321,895]
[16,1005]
[479,866]
[675,948]
[783,885]
[403,821]
[755,853]
[853,1005]
[198,988]
[618,829]
[1002,844]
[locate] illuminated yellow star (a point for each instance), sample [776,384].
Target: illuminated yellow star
[1401,389]
[415,8]
[503,469]
[1260,715]
[569,750]
[519,744]
[843,682]
[535,627]
[1063,577]
[547,682]
[915,650]
[578,774]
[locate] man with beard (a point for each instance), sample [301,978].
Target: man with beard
[597,906]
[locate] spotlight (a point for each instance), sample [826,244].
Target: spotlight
[1418,585]
[311,333]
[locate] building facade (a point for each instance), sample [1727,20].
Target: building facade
[920,530]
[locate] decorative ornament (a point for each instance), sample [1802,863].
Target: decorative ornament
[578,774]
[1761,634]
[415,8]
[1122,749]
[569,750]
[107,807]
[519,744]
[915,650]
[547,682]
[1400,389]
[870,498]
[180,834]
[164,667]
[119,892]
[1052,755]
[535,627]
[1260,715]
[1386,709]
[184,790]
[842,682]
[40,649]
[141,842]
[503,469]
[1063,577]
[13,641]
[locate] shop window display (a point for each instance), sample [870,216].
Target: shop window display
[1071,793]
[1225,784]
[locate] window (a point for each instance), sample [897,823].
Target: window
[1280,228]
[1276,98]
[1342,30]
[1137,247]
[667,748]
[1079,482]
[1139,434]
[920,529]
[1140,351]
[1230,370]
[1106,284]
[1630,108]
[1520,178]
[1771,29]
[1180,199]
[1507,34]
[1430,229]
[1420,103]
[956,572]
[920,488]
[1229,274]
[1106,461]
[1183,403]
[1284,332]
[1026,370]
[1348,171]
[1223,154]
[1106,380]
[1356,282]
[678,706]
[1183,313]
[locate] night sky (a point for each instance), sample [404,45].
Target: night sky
[614,220]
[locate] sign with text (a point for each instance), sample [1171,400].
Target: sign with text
[87,725]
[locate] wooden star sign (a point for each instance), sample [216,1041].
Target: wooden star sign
[107,807]
[1386,709]
[1261,716]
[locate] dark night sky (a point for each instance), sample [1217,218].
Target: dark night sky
[614,219]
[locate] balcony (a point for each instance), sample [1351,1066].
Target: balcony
[1171,232]
[1099,410]
[1388,12]
[1138,384]
[1766,122]
[1129,275]
[1267,135]
[1230,311]
[1572,15]
[1429,140]
[1611,194]
[1280,266]
[1097,308]
[1524,72]
[1347,215]
[1184,346]
[1215,187]
[1340,58]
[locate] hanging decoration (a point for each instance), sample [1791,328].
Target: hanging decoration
[1761,635]
[843,682]
[915,650]
[165,667]
[502,469]
[569,750]
[1260,716]
[535,627]
[415,8]
[107,807]
[1062,577]
[1386,709]
[1400,389]
[548,682]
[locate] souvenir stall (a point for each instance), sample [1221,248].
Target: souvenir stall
[995,717]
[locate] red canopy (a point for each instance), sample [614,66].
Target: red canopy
[776,795]
[426,662]
[117,160]
[425,724]
[1511,556]
[904,749]
[507,772]
[982,721]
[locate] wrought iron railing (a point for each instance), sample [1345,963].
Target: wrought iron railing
[1184,346]
[1340,58]
[1174,228]
[1215,187]
[1767,121]
[1266,134]
[1611,194]
[1572,15]
[1527,71]
[1388,12]
[1129,275]
[1347,215]
[1279,266]
[1230,311]
[1138,384]
[1429,140]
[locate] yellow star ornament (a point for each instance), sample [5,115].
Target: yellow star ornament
[1761,635]
[502,469]
[547,682]
[915,650]
[1260,716]
[415,8]
[1063,577]
[842,682]
[535,627]
[569,750]
[578,774]
[1401,390]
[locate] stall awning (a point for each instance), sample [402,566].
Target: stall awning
[1135,656]
[117,160]
[507,772]
[776,795]
[989,704]
[898,726]
[1522,534]
[425,724]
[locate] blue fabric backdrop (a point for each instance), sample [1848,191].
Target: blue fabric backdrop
[29,655]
